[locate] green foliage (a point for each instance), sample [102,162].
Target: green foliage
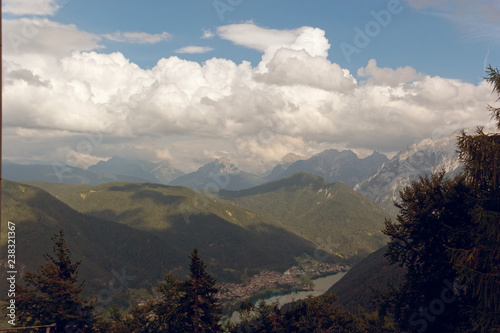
[183,306]
[106,246]
[478,261]
[198,303]
[167,308]
[235,234]
[447,238]
[429,211]
[52,294]
[318,314]
[334,217]
[493,77]
[373,322]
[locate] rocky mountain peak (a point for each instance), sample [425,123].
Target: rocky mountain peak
[221,165]
[290,158]
[422,158]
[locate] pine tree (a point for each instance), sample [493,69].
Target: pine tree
[182,306]
[53,295]
[314,314]
[199,308]
[449,230]
[429,210]
[478,262]
[167,310]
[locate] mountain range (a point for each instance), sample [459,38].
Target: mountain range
[241,223]
[332,216]
[162,172]
[236,233]
[423,158]
[375,176]
[105,247]
[219,174]
[334,165]
[59,173]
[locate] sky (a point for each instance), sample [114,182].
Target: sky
[252,80]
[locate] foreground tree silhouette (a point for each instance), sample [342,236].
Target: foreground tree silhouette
[198,303]
[52,293]
[314,314]
[478,261]
[183,306]
[428,300]
[447,236]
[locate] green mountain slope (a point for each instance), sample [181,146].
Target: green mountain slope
[233,240]
[354,289]
[332,216]
[102,246]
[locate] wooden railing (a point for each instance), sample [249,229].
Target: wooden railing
[48,328]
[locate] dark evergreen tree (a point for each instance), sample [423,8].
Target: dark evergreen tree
[319,314]
[478,260]
[199,308]
[314,314]
[53,294]
[115,323]
[181,306]
[167,310]
[448,233]
[429,299]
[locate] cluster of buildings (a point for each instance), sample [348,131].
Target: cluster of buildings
[264,279]
[311,268]
[268,279]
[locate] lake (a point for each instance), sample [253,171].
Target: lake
[321,285]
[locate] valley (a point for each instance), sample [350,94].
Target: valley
[240,233]
[260,235]
[234,166]
[297,278]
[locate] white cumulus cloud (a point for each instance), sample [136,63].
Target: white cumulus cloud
[44,37]
[294,100]
[291,67]
[30,7]
[255,37]
[388,76]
